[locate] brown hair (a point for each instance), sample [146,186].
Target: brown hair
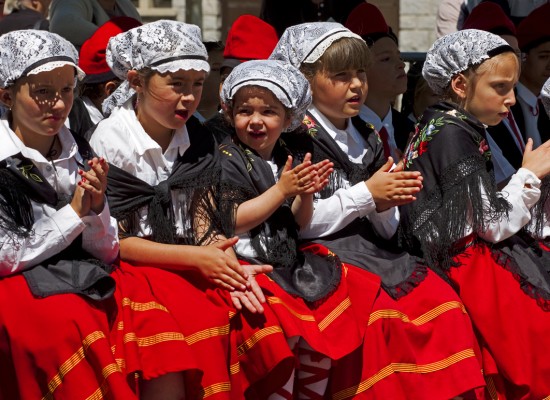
[344,54]
[472,75]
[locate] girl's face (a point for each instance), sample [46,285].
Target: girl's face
[339,95]
[40,103]
[387,76]
[259,118]
[167,101]
[489,92]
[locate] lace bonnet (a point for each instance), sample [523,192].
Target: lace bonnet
[545,96]
[306,43]
[164,46]
[29,52]
[458,51]
[286,82]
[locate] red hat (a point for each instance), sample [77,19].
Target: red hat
[367,21]
[249,38]
[535,28]
[490,17]
[92,53]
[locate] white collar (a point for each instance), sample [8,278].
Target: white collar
[142,141]
[11,144]
[329,126]
[370,116]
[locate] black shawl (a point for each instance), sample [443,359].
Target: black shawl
[70,271]
[450,150]
[196,175]
[358,243]
[275,241]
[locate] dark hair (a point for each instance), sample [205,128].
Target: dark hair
[344,54]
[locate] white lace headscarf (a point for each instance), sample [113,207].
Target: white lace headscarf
[164,46]
[545,96]
[286,82]
[458,51]
[306,43]
[28,52]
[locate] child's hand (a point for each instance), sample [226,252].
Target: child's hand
[394,188]
[324,169]
[537,161]
[252,298]
[81,201]
[297,180]
[94,182]
[219,267]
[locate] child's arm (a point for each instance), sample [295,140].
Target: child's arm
[211,261]
[253,212]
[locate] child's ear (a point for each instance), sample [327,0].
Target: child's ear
[459,84]
[110,87]
[135,80]
[6,97]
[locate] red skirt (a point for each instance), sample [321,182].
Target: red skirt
[56,347]
[197,342]
[514,331]
[420,346]
[333,326]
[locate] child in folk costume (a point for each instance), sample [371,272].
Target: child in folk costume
[470,232]
[418,341]
[163,184]
[386,76]
[271,197]
[57,337]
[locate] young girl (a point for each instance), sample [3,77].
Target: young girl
[271,198]
[164,183]
[466,229]
[58,334]
[418,342]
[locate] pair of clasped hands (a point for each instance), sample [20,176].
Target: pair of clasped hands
[390,186]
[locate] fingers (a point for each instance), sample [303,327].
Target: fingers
[387,166]
[288,164]
[226,243]
[223,285]
[256,290]
[253,304]
[235,298]
[258,269]
[529,146]
[245,301]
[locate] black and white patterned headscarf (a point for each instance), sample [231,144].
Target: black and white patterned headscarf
[458,51]
[286,82]
[306,43]
[28,52]
[164,46]
[545,96]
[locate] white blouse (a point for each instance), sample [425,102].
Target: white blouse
[54,230]
[349,202]
[123,142]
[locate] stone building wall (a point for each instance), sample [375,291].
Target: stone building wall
[417,24]
[414,20]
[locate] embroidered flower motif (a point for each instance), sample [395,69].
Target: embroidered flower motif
[25,171]
[310,125]
[421,137]
[484,149]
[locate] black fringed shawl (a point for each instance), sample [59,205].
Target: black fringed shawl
[450,150]
[358,243]
[275,241]
[70,271]
[195,175]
